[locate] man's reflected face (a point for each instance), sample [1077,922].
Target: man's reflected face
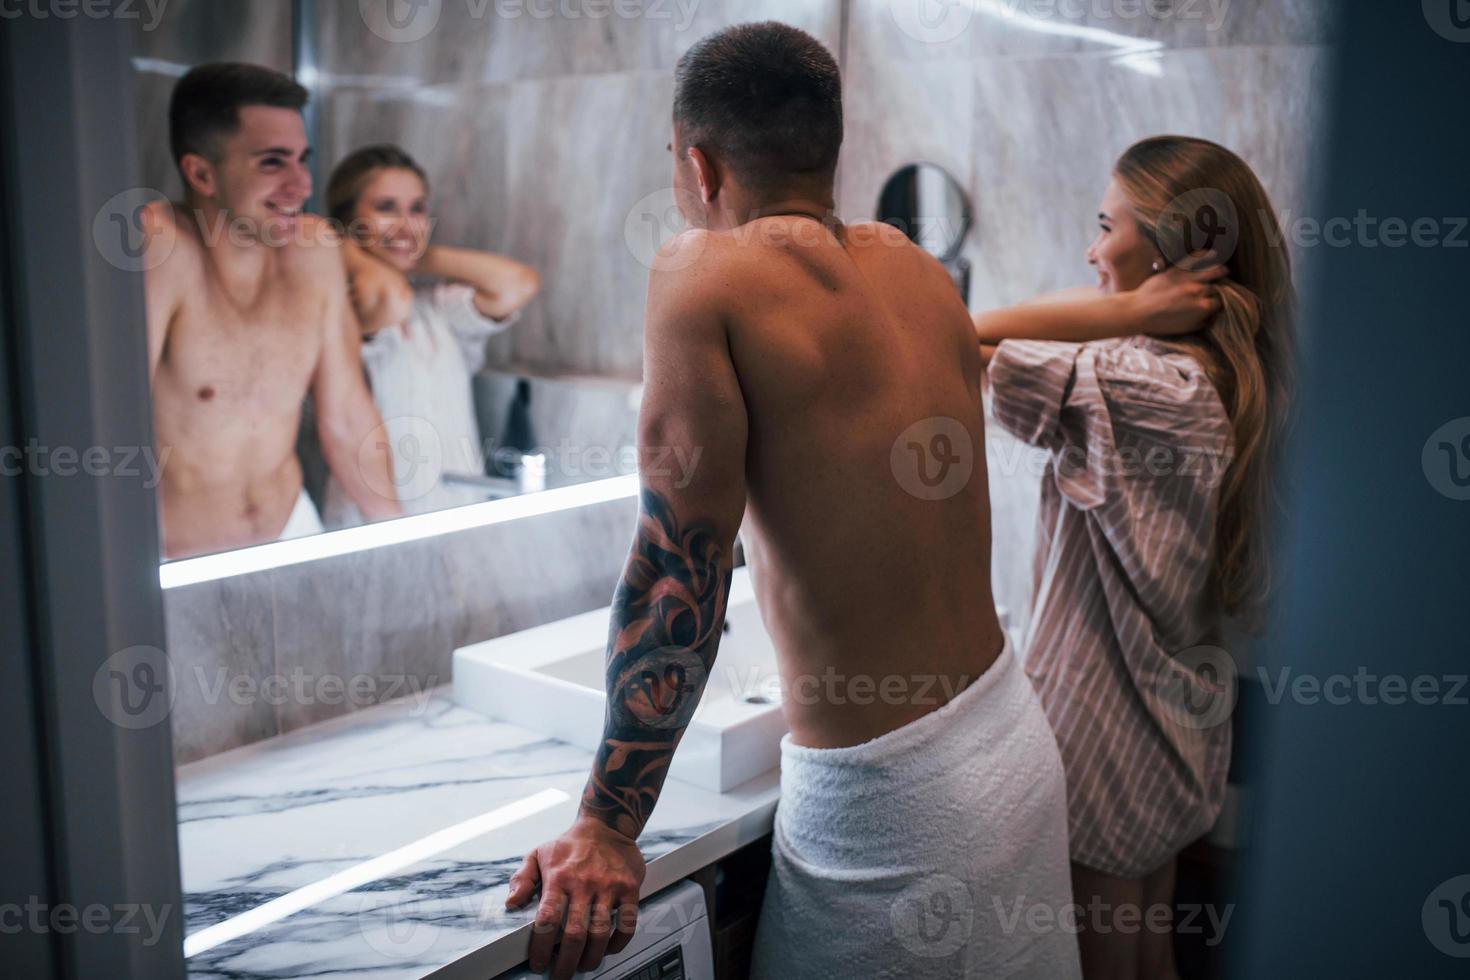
[261,178]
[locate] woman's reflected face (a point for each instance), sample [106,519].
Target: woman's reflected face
[1121,253]
[392,217]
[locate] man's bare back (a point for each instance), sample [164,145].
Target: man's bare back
[828,379]
[792,360]
[878,600]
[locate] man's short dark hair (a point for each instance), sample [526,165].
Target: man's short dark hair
[205,107]
[766,99]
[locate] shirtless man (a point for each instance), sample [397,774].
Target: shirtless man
[830,376]
[248,311]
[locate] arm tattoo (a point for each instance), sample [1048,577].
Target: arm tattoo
[667,616]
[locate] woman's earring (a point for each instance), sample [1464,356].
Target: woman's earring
[1158,266]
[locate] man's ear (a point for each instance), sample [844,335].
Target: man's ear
[198,174]
[705,173]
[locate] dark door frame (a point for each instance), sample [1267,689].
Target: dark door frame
[92,800]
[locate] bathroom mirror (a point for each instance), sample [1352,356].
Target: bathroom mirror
[924,202]
[534,432]
[500,352]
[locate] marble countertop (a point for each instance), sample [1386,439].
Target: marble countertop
[378,846]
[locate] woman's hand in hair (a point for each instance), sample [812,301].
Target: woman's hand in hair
[380,293]
[1173,301]
[1180,299]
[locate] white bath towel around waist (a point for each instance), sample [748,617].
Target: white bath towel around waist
[303,521]
[937,850]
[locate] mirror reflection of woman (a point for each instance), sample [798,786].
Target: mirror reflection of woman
[426,312]
[1160,397]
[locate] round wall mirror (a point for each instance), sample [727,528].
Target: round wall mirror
[924,202]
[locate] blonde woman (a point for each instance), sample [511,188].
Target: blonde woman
[1156,505]
[426,312]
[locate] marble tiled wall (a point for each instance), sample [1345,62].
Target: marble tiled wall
[540,135]
[387,621]
[1028,104]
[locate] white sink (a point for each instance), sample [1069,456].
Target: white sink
[550,680]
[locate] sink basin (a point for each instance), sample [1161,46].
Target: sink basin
[550,680]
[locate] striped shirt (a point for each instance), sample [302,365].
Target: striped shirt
[1137,441]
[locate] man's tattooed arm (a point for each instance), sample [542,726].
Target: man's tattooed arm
[667,618]
[667,614]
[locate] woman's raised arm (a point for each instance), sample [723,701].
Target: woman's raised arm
[502,285]
[1175,301]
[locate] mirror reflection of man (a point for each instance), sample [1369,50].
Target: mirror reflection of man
[248,311]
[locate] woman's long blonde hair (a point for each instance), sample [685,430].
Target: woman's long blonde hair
[1182,189]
